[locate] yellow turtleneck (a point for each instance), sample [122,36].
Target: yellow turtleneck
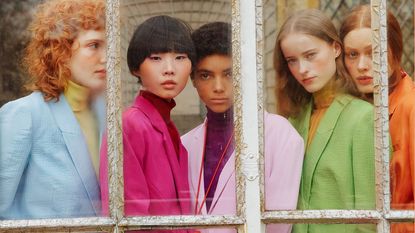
[78,98]
[322,100]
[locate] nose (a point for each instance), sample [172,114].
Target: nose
[218,85]
[363,63]
[303,67]
[168,66]
[103,58]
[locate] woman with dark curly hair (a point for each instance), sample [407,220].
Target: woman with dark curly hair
[49,140]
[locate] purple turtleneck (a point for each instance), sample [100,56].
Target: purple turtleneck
[219,131]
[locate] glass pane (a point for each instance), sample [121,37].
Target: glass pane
[163,174]
[50,139]
[340,228]
[326,148]
[402,107]
[204,230]
[403,227]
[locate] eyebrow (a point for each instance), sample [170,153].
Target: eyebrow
[303,53]
[365,48]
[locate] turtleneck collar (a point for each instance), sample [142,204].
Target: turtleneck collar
[220,120]
[77,96]
[324,97]
[163,106]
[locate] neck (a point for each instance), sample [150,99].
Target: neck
[324,97]
[77,96]
[222,119]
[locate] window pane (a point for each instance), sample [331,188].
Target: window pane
[163,174]
[328,139]
[401,107]
[341,228]
[50,139]
[204,230]
[402,227]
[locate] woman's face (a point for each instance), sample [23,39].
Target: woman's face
[165,74]
[88,60]
[358,58]
[311,60]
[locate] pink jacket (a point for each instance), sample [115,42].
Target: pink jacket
[155,178]
[284,151]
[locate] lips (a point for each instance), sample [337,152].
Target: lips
[169,84]
[219,100]
[101,73]
[364,80]
[309,80]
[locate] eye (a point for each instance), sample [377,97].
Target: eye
[310,55]
[93,45]
[228,75]
[181,57]
[204,76]
[291,61]
[154,58]
[352,54]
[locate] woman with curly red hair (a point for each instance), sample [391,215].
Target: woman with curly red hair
[49,140]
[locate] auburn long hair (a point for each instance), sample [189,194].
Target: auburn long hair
[291,96]
[360,17]
[54,28]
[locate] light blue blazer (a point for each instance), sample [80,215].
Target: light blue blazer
[45,166]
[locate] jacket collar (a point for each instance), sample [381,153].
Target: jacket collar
[322,136]
[177,164]
[405,86]
[78,150]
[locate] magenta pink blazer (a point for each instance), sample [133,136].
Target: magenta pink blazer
[284,152]
[155,178]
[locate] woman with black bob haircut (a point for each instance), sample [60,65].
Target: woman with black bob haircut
[160,55]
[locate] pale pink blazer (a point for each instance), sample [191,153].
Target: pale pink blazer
[284,151]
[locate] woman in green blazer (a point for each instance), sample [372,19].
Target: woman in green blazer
[314,92]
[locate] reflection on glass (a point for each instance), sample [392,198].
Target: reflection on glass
[358,59]
[49,140]
[313,92]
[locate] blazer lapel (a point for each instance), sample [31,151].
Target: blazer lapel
[195,157]
[178,168]
[76,144]
[321,138]
[224,178]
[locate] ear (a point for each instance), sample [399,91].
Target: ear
[337,49]
[136,73]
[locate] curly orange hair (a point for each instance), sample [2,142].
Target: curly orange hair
[54,28]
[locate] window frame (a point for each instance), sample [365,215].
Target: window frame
[248,41]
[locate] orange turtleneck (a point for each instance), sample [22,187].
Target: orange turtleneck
[321,102]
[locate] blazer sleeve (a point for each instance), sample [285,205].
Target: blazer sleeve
[285,159]
[411,128]
[15,146]
[363,156]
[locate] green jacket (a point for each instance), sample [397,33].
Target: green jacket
[338,169]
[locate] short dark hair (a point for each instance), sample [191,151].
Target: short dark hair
[212,38]
[159,34]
